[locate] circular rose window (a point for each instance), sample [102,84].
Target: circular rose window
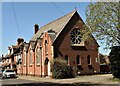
[75,36]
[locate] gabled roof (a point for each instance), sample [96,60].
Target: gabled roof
[52,36]
[26,46]
[8,55]
[14,46]
[57,25]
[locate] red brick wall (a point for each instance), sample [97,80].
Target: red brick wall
[35,69]
[62,47]
[31,67]
[24,66]
[37,66]
[49,55]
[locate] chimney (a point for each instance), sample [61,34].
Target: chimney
[19,41]
[2,56]
[36,28]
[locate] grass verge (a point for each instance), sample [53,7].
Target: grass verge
[115,79]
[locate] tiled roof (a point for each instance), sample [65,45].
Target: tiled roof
[7,55]
[57,25]
[26,45]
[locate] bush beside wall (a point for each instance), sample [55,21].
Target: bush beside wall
[115,61]
[61,70]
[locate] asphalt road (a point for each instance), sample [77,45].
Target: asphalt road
[100,79]
[22,82]
[94,80]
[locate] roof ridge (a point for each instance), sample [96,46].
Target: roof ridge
[57,19]
[56,24]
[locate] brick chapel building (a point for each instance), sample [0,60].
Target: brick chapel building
[60,38]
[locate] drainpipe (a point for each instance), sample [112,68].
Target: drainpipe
[22,63]
[34,62]
[41,60]
[26,63]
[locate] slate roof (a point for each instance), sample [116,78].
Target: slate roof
[52,36]
[14,46]
[57,25]
[8,55]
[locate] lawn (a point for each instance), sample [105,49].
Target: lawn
[115,79]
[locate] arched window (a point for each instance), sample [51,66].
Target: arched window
[37,55]
[24,57]
[75,36]
[66,58]
[46,61]
[88,59]
[30,57]
[78,60]
[46,47]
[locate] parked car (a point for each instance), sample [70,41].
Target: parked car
[9,73]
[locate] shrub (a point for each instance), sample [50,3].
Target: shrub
[61,70]
[115,61]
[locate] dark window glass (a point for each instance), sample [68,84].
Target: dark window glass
[88,59]
[78,59]
[9,70]
[46,47]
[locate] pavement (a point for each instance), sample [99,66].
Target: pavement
[15,81]
[99,79]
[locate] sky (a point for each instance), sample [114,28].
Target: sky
[18,19]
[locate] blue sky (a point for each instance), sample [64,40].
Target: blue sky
[29,13]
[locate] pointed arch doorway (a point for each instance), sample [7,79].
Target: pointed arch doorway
[47,67]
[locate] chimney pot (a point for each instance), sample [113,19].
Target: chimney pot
[36,28]
[20,40]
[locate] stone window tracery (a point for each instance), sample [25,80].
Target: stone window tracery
[75,36]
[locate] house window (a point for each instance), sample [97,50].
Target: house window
[66,58]
[78,60]
[30,59]
[38,55]
[24,58]
[88,59]
[46,47]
